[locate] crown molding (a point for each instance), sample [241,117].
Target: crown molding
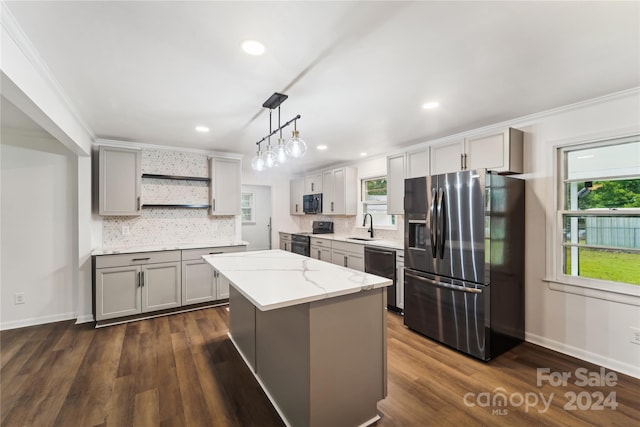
[143,145]
[17,34]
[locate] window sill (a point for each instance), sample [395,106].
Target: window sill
[615,292]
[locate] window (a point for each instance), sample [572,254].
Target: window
[248,214]
[374,201]
[599,211]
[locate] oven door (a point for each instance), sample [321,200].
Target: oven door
[300,248]
[453,312]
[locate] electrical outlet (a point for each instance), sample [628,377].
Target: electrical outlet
[635,335]
[125,230]
[18,298]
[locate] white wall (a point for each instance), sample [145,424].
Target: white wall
[38,227]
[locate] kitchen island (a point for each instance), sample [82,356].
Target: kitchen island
[312,333]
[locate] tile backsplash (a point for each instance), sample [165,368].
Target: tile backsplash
[349,226]
[157,226]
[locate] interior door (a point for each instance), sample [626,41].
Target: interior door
[460,225]
[256,217]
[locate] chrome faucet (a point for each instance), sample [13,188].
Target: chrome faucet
[370,230]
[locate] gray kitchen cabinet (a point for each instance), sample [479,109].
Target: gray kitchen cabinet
[296,191]
[226,186]
[199,281]
[499,151]
[347,254]
[321,249]
[417,163]
[339,195]
[129,284]
[447,157]
[395,184]
[400,279]
[119,181]
[313,184]
[285,241]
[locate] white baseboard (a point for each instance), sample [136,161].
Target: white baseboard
[598,359]
[36,321]
[84,318]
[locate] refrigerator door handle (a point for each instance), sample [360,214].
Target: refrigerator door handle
[442,223]
[432,228]
[444,285]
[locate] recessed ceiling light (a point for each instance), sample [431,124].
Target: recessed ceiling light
[202,129]
[253,47]
[363,154]
[430,105]
[321,147]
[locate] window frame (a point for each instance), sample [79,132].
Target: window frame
[252,220]
[599,288]
[363,203]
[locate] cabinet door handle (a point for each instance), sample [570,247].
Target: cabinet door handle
[345,260]
[312,186]
[319,257]
[140,259]
[213,204]
[296,207]
[142,278]
[461,162]
[139,282]
[331,206]
[138,202]
[465,161]
[215,253]
[285,246]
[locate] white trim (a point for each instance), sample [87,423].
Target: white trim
[616,292]
[142,145]
[20,38]
[33,321]
[598,359]
[85,318]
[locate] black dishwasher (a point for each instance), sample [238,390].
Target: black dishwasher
[382,262]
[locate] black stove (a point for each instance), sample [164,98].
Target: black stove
[301,242]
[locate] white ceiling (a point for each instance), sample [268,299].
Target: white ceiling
[357,72]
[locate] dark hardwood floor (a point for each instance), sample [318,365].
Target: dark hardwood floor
[182,370]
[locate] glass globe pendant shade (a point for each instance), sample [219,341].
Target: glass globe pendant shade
[270,157]
[257,164]
[281,151]
[296,147]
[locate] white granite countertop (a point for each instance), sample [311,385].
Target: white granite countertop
[275,279]
[167,247]
[345,238]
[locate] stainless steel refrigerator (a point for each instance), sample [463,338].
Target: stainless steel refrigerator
[464,260]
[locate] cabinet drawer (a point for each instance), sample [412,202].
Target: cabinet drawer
[136,258]
[355,248]
[188,254]
[325,243]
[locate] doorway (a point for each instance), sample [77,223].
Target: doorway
[256,217]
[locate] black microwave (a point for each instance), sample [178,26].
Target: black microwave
[312,203]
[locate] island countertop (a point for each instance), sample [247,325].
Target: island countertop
[276,279]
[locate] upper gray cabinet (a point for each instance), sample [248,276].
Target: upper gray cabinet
[339,196]
[226,186]
[500,151]
[399,167]
[395,184]
[296,191]
[313,184]
[119,181]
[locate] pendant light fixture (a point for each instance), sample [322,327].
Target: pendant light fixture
[296,147]
[273,156]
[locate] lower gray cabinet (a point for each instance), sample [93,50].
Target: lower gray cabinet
[130,284]
[141,282]
[200,283]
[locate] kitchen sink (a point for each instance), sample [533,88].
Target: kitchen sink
[364,239]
